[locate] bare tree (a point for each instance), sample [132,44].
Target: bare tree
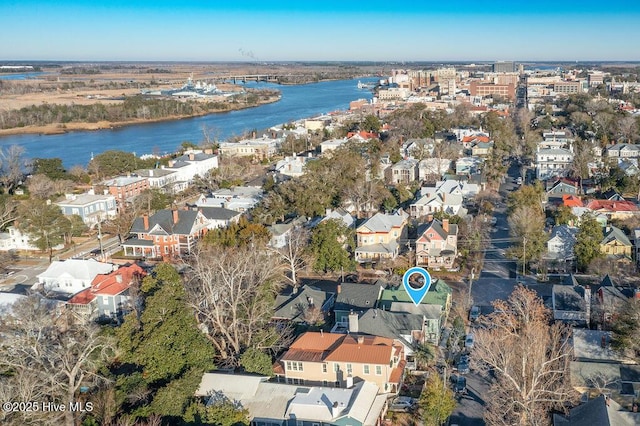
[294,253]
[529,357]
[48,360]
[8,210]
[232,291]
[41,186]
[12,165]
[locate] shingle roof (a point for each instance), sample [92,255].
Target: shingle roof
[392,325]
[357,296]
[164,219]
[438,294]
[384,222]
[292,306]
[218,213]
[615,234]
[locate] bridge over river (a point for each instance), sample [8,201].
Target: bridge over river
[267,78]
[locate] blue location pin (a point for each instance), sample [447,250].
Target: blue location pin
[417,294]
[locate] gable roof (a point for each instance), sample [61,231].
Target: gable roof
[218,213]
[392,325]
[436,226]
[615,234]
[612,205]
[382,222]
[291,306]
[109,284]
[598,411]
[439,294]
[356,296]
[80,269]
[163,222]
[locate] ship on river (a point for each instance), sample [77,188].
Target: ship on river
[199,89]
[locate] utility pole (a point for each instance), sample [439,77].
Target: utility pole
[100,241]
[471,277]
[524,256]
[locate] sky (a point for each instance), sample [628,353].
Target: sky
[331,30]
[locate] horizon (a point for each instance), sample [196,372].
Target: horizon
[373,31]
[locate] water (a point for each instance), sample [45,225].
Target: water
[23,75]
[297,102]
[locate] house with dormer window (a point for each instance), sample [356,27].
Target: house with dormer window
[378,238]
[165,234]
[437,244]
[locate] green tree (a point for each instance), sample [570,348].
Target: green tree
[163,352]
[43,223]
[371,123]
[113,163]
[327,246]
[437,401]
[51,167]
[626,328]
[564,216]
[254,360]
[588,239]
[151,200]
[425,354]
[220,411]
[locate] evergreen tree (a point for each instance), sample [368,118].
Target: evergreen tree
[588,239]
[327,246]
[163,353]
[437,401]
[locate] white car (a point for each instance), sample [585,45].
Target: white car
[402,403]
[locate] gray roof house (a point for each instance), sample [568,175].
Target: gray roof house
[292,306]
[561,242]
[354,297]
[71,276]
[571,304]
[600,411]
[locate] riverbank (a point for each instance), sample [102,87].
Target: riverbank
[61,128]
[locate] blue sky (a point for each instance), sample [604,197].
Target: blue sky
[374,30]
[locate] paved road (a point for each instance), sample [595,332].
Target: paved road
[496,281]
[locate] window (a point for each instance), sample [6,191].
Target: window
[299,366]
[295,366]
[288,365]
[336,367]
[349,368]
[324,367]
[365,369]
[378,370]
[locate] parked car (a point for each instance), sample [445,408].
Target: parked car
[402,403]
[519,181]
[463,367]
[469,341]
[474,313]
[459,384]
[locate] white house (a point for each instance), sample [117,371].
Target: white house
[292,166]
[331,145]
[433,167]
[552,162]
[560,244]
[192,163]
[13,239]
[71,276]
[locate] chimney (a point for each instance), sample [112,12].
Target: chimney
[353,322]
[150,172]
[145,221]
[349,381]
[360,340]
[587,303]
[339,288]
[175,216]
[636,293]
[445,225]
[192,156]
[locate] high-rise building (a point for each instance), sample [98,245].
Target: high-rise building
[504,66]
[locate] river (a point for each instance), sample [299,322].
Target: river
[297,102]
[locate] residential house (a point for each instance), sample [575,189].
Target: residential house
[332,145]
[482,149]
[404,172]
[260,149]
[552,162]
[629,167]
[108,297]
[299,305]
[599,411]
[281,232]
[437,244]
[558,188]
[341,215]
[607,300]
[90,207]
[417,148]
[407,328]
[126,188]
[468,165]
[192,163]
[71,276]
[623,151]
[434,307]
[561,242]
[278,404]
[239,198]
[165,234]
[13,239]
[619,210]
[433,167]
[354,297]
[341,359]
[615,243]
[219,217]
[159,178]
[292,166]
[571,303]
[379,237]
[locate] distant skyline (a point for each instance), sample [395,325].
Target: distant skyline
[331,30]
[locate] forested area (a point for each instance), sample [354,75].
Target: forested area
[132,108]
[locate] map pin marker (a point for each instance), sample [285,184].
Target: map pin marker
[419,289]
